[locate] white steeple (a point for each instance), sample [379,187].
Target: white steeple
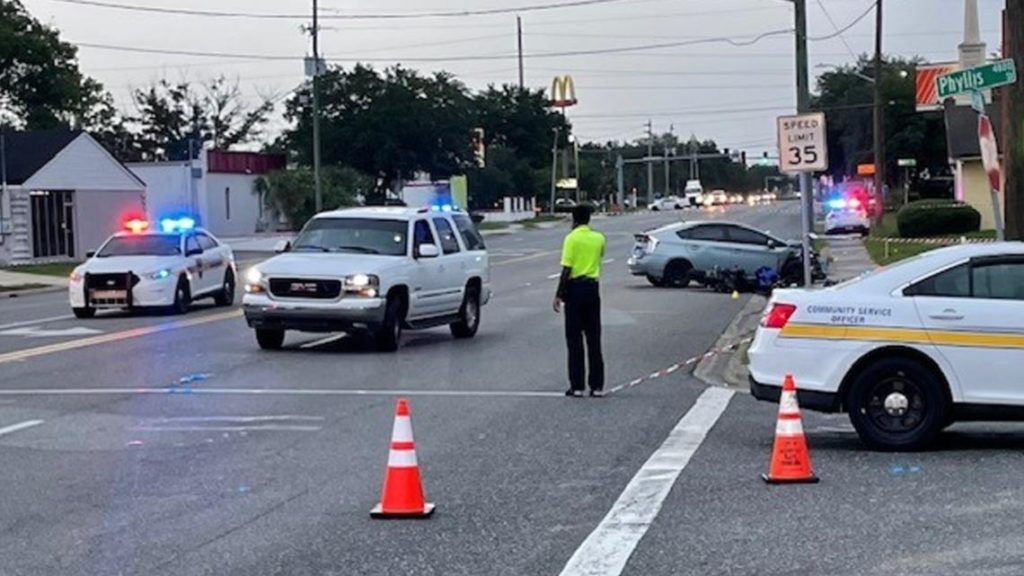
[972,49]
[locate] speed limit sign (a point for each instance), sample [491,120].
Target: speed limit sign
[803,143]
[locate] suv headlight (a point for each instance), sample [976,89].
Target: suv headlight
[253,280]
[366,285]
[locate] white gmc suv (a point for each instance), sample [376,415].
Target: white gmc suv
[377,270]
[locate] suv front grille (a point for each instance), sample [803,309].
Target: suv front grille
[305,288]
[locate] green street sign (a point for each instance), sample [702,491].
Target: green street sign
[994,75]
[907,162]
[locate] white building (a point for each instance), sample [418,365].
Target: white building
[62,195]
[217,189]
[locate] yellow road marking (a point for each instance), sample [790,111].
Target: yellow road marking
[905,335]
[116,336]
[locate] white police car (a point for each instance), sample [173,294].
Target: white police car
[906,350]
[847,215]
[142,268]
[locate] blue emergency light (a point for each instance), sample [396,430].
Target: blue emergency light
[182,224]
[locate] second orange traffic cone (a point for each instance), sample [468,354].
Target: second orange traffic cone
[402,494]
[791,461]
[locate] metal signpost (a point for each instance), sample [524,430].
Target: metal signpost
[973,81]
[803,149]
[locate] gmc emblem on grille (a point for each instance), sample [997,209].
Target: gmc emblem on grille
[303,287]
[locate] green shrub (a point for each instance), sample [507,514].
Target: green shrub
[937,218]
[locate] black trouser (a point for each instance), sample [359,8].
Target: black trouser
[583,319]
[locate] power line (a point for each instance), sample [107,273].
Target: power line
[835,27]
[391,16]
[457,58]
[840,32]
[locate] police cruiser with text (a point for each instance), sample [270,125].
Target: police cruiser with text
[169,267]
[907,350]
[375,270]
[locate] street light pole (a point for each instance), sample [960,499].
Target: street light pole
[554,169]
[316,111]
[650,163]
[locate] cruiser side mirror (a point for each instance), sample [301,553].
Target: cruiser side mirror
[427,251]
[90,253]
[282,246]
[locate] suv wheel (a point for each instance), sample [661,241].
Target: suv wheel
[270,338]
[897,404]
[389,334]
[677,273]
[226,295]
[469,315]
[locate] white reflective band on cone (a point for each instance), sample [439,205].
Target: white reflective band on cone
[788,404]
[402,430]
[402,459]
[789,427]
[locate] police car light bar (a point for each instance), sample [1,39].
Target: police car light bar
[182,224]
[136,225]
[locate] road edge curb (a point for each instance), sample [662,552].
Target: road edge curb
[724,369]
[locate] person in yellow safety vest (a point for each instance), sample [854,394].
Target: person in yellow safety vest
[579,292]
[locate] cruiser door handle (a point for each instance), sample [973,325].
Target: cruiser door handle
[947,316]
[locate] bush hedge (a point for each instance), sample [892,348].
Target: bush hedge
[936,218]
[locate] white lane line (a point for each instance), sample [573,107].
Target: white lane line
[322,341]
[608,548]
[266,428]
[244,419]
[275,392]
[553,276]
[20,426]
[608,260]
[36,321]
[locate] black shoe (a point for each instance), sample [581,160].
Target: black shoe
[597,393]
[574,393]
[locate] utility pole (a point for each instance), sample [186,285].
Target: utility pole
[316,110]
[519,38]
[803,104]
[650,162]
[668,169]
[3,178]
[879,124]
[1013,122]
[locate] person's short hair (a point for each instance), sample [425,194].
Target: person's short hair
[581,214]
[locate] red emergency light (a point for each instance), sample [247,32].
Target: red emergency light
[136,226]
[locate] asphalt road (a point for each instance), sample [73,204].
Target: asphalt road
[155,445]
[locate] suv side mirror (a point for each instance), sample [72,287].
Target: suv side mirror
[427,251]
[282,246]
[193,252]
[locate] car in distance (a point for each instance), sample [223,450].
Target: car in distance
[904,351]
[666,203]
[166,268]
[716,198]
[375,270]
[693,193]
[847,215]
[680,253]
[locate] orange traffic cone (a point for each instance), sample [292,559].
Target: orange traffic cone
[791,461]
[402,494]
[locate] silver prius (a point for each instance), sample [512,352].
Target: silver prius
[677,254]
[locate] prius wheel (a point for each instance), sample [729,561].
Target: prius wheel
[677,274]
[896,404]
[226,295]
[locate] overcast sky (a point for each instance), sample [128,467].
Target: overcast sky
[705,89]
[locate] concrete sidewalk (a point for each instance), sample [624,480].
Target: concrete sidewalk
[848,257]
[9,280]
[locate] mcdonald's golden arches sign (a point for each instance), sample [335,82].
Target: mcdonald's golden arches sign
[563,91]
